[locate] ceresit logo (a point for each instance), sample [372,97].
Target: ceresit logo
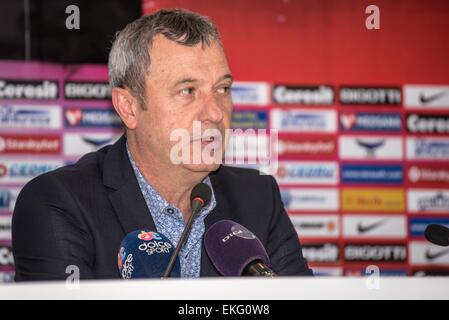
[307,172]
[304,120]
[250,93]
[369,147]
[29,89]
[427,124]
[303,95]
[321,253]
[148,235]
[373,200]
[30,117]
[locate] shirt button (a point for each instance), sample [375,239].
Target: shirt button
[170,210]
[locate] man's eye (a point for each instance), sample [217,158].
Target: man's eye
[224,90]
[187,91]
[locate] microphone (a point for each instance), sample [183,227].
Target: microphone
[437,234]
[199,198]
[236,251]
[144,254]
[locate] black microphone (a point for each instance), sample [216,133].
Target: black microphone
[199,198]
[437,234]
[235,251]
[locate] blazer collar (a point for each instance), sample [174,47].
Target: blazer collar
[125,194]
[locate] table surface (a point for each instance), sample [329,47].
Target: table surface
[236,288]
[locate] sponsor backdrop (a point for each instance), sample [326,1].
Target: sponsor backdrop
[50,116]
[362,116]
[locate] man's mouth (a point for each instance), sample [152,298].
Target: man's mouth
[208,139]
[211,141]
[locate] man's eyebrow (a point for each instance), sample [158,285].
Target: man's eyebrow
[193,80]
[185,80]
[225,77]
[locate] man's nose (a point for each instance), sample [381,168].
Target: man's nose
[212,110]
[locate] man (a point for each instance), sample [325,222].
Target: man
[168,71]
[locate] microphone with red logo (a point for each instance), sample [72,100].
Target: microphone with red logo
[145,254]
[199,198]
[235,251]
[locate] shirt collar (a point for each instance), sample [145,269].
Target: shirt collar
[157,204]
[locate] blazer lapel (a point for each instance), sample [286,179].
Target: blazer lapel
[125,194]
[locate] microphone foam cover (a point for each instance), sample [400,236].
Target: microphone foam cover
[437,234]
[231,247]
[145,254]
[201,190]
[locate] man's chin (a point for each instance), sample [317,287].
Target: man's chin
[202,167]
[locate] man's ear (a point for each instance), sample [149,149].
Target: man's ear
[126,106]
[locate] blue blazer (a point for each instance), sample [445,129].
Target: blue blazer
[79,214]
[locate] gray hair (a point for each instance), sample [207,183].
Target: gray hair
[129,58]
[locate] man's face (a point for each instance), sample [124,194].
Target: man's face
[185,85]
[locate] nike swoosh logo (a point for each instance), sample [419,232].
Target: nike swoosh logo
[427,99]
[363,229]
[434,255]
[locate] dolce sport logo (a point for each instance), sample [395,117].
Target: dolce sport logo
[155,247]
